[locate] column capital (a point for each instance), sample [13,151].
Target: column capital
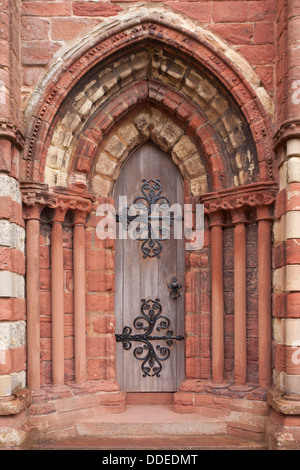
[216,218]
[78,203]
[239,216]
[9,131]
[35,197]
[264,213]
[242,197]
[289,129]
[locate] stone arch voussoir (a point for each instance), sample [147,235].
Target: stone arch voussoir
[178,92]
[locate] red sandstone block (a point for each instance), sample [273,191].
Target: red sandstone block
[45,279]
[258,54]
[263,33]
[293,197]
[192,280]
[100,369]
[292,305]
[107,244]
[18,358]
[5,149]
[45,326]
[280,255]
[69,347]
[45,303]
[68,302]
[35,29]
[198,260]
[45,352]
[293,251]
[193,368]
[279,357]
[252,349]
[4,53]
[204,400]
[12,260]
[12,309]
[46,9]
[292,360]
[6,362]
[100,346]
[68,259]
[68,28]
[39,52]
[172,101]
[117,109]
[192,323]
[181,398]
[195,122]
[5,207]
[279,305]
[198,11]
[185,111]
[112,398]
[234,33]
[229,12]
[192,302]
[44,257]
[99,260]
[101,282]
[13,360]
[257,436]
[103,324]
[262,11]
[41,409]
[192,347]
[68,284]
[95,9]
[99,302]
[280,205]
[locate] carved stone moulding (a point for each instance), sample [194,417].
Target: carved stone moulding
[10,132]
[37,195]
[289,129]
[248,196]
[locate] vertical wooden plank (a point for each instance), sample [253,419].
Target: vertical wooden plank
[138,277]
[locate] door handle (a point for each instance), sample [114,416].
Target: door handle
[174,286]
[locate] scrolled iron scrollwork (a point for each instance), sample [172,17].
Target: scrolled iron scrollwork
[149,320]
[150,206]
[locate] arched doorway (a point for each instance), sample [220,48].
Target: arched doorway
[149,315]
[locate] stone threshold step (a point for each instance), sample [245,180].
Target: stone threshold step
[148,420]
[176,443]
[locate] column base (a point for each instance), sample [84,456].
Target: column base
[101,394]
[193,393]
[16,403]
[283,428]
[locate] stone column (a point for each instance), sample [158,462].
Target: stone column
[12,233]
[217,297]
[33,298]
[239,219]
[285,398]
[57,296]
[264,219]
[79,296]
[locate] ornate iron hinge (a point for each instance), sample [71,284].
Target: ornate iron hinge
[151,317]
[150,206]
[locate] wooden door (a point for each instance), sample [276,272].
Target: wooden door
[144,272]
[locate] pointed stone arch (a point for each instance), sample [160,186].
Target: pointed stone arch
[193,77]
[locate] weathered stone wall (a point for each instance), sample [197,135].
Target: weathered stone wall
[12,227]
[215,114]
[50,26]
